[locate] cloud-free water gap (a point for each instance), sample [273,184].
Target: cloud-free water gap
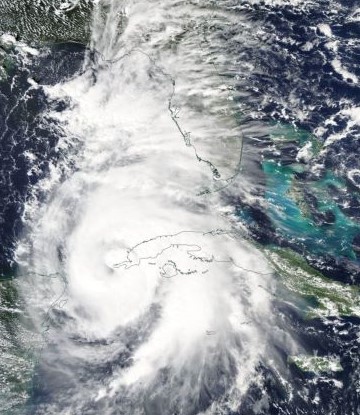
[133,252]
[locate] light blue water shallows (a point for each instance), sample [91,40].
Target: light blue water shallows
[286,216]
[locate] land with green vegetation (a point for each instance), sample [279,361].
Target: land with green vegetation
[46,20]
[317,364]
[326,297]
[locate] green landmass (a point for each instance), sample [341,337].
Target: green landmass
[316,364]
[46,20]
[332,298]
[17,349]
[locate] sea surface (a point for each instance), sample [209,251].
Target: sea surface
[180,207]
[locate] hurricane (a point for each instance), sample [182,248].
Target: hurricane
[149,273]
[179,222]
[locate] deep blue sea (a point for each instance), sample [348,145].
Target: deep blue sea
[180,207]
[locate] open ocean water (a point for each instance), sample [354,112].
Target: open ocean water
[180,207]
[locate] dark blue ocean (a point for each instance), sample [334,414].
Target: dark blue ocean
[295,74]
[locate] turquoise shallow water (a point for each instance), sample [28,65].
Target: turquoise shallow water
[289,220]
[288,88]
